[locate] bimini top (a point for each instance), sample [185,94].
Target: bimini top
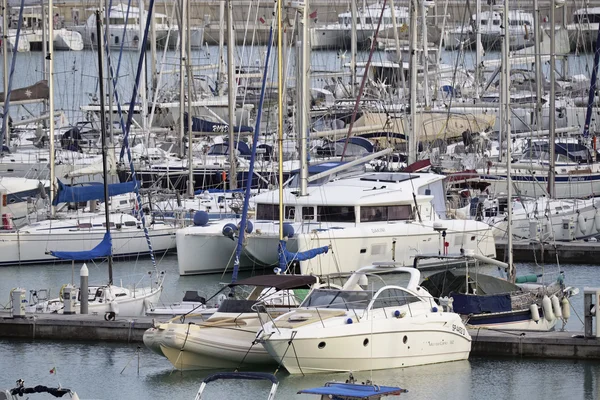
[354,391]
[279,282]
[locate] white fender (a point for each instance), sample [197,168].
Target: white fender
[581,224]
[535,313]
[114,307]
[566,308]
[597,221]
[547,308]
[556,306]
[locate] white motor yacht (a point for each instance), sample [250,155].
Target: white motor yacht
[226,339]
[368,325]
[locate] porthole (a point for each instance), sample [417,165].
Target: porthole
[366,342]
[405,339]
[322,345]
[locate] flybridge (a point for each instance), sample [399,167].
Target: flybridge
[392,177]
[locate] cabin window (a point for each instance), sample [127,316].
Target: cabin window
[496,22]
[308,213]
[269,212]
[290,212]
[116,40]
[335,214]
[385,213]
[484,22]
[338,299]
[130,223]
[394,298]
[112,224]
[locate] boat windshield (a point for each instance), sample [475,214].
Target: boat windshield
[338,299]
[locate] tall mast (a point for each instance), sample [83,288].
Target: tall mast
[221,73]
[44,51]
[304,79]
[280,90]
[397,44]
[412,140]
[552,105]
[538,66]
[50,57]
[190,85]
[5,74]
[109,82]
[479,50]
[425,51]
[143,94]
[103,136]
[231,91]
[353,47]
[182,37]
[506,105]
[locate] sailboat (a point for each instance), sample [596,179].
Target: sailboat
[110,299]
[490,302]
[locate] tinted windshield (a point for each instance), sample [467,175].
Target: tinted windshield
[341,299]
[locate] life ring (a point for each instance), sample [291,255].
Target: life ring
[109,316]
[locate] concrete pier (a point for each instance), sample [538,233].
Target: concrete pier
[576,252]
[486,342]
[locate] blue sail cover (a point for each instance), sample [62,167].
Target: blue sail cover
[286,256]
[202,125]
[94,191]
[102,249]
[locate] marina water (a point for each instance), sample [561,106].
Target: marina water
[103,370]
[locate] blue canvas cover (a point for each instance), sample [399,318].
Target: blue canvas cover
[286,256]
[93,191]
[353,391]
[476,304]
[102,249]
[202,125]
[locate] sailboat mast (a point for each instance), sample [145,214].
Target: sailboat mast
[424,57]
[231,91]
[303,79]
[50,57]
[412,140]
[280,113]
[478,46]
[103,136]
[506,114]
[190,82]
[182,20]
[552,105]
[538,66]
[5,74]
[109,83]
[353,47]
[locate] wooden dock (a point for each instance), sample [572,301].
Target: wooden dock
[486,342]
[575,252]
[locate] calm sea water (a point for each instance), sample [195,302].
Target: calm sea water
[110,370]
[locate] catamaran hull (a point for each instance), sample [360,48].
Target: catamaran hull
[204,250]
[361,349]
[352,248]
[23,247]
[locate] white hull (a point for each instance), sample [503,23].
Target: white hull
[191,346]
[204,250]
[354,247]
[342,348]
[32,243]
[134,304]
